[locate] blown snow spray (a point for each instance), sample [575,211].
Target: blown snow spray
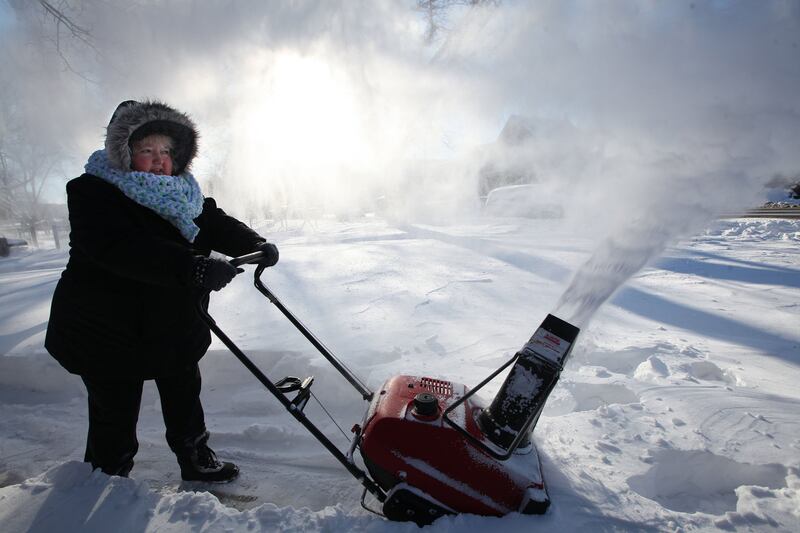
[513,414]
[510,419]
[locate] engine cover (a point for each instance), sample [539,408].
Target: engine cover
[406,444]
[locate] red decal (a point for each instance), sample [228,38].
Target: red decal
[553,339]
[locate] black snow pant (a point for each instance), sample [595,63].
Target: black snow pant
[114,412]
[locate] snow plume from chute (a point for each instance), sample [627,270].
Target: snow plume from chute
[639,224]
[670,114]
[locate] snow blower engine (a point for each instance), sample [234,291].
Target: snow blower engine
[430,446]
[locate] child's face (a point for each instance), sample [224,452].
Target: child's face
[153,154]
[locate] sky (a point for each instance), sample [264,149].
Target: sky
[328,106]
[6,16]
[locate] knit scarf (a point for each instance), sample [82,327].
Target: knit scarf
[176,199]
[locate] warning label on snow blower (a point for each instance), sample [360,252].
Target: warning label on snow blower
[548,345]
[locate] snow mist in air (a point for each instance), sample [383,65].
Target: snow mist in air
[646,118]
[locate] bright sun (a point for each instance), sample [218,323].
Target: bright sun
[304,110]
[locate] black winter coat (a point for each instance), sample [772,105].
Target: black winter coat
[124,306]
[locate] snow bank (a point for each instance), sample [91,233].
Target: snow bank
[72,497]
[756,229]
[750,507]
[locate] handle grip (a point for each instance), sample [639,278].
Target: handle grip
[247,259]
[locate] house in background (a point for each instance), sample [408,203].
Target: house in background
[501,163]
[516,156]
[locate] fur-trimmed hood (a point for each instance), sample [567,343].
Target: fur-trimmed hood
[133,121]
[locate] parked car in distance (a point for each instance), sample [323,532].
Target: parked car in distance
[521,201]
[6,244]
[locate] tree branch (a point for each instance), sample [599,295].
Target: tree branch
[436,13]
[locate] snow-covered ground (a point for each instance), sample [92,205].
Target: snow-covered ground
[679,409]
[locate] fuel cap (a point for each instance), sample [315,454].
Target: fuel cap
[426,404]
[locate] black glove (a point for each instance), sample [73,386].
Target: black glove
[270,254]
[211,273]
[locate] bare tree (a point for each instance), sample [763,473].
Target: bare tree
[437,13]
[58,25]
[22,180]
[26,164]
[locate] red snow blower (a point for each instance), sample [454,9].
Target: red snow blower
[430,446]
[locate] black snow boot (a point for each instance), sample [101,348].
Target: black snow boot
[200,463]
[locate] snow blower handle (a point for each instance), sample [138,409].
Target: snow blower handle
[254,258]
[289,384]
[248,259]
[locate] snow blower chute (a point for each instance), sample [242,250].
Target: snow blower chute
[429,446]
